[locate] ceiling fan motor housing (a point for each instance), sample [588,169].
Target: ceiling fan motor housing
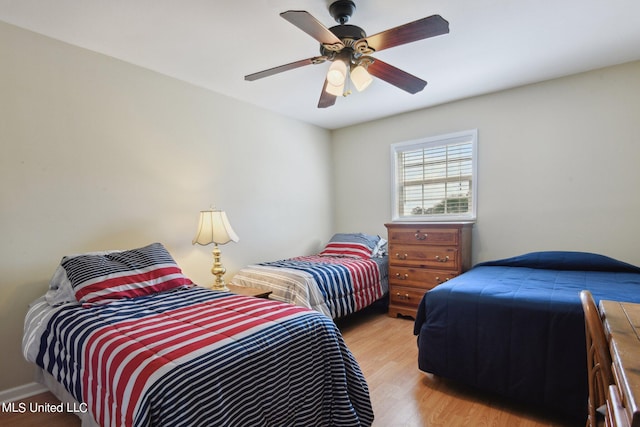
[348,34]
[342,10]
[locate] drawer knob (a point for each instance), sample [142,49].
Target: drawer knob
[402,276]
[420,236]
[403,297]
[439,280]
[401,256]
[439,259]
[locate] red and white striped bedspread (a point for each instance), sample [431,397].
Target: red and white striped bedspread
[197,357]
[335,286]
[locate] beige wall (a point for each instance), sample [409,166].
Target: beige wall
[558,165]
[100,154]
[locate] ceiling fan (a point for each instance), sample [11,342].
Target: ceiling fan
[348,48]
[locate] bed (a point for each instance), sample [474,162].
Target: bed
[349,274]
[141,345]
[515,326]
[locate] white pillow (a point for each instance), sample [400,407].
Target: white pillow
[381,248]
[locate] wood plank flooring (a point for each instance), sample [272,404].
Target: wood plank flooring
[401,395]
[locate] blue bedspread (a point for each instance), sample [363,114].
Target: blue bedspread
[516,327]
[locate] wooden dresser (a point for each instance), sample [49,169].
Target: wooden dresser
[422,256]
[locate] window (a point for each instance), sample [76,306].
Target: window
[434,179]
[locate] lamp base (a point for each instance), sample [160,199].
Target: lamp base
[218,270]
[219,287]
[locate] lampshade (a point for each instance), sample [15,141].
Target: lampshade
[361,78]
[337,73]
[214,227]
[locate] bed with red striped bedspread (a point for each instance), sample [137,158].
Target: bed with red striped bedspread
[196,357]
[334,285]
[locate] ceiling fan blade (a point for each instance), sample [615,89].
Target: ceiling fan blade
[310,25]
[430,26]
[396,77]
[326,99]
[285,67]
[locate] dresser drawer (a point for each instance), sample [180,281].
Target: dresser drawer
[424,236]
[406,296]
[440,257]
[419,277]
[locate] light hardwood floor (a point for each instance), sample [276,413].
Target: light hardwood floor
[401,395]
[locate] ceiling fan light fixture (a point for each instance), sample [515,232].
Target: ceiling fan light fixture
[361,78]
[335,90]
[337,73]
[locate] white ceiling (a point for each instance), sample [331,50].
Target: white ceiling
[492,45]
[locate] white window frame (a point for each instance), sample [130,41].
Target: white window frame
[470,136]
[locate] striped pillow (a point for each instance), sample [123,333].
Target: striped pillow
[355,245]
[100,279]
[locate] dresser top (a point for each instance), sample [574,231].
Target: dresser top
[430,224]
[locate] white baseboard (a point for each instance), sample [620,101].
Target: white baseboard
[21,392]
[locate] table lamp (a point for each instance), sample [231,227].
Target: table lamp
[214,228]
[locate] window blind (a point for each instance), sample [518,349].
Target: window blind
[435,179]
